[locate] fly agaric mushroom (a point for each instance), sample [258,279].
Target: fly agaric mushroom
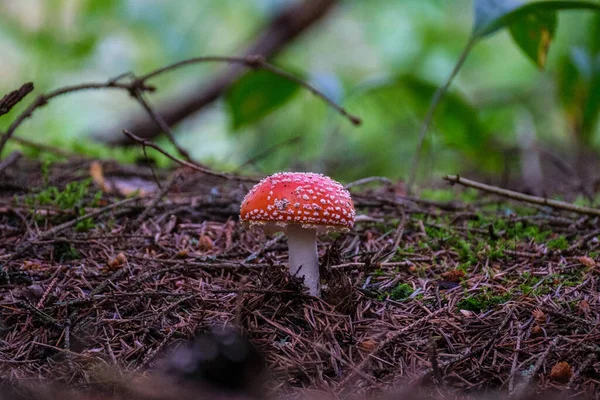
[299,204]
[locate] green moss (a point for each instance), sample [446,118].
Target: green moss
[482,301]
[75,196]
[65,252]
[559,243]
[447,195]
[401,292]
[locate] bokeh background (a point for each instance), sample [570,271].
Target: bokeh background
[380,59]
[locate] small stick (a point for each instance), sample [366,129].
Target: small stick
[515,362]
[398,236]
[40,304]
[159,196]
[195,167]
[43,99]
[523,197]
[382,264]
[524,386]
[433,358]
[589,360]
[162,124]
[583,240]
[13,98]
[8,161]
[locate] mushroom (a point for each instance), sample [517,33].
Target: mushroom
[301,204]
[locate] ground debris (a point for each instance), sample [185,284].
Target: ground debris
[498,288]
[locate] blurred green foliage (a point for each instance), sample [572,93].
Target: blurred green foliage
[382,60]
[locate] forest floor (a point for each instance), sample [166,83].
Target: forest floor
[473,294]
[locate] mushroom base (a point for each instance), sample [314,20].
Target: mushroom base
[304,259]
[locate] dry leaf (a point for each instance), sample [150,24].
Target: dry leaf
[587,261]
[584,307]
[367,344]
[453,276]
[182,253]
[536,331]
[205,243]
[97,175]
[117,262]
[539,316]
[125,186]
[31,266]
[467,313]
[561,372]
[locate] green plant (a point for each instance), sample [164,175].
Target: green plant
[75,196]
[482,301]
[532,26]
[559,243]
[401,292]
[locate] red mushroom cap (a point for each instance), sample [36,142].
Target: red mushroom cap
[312,200]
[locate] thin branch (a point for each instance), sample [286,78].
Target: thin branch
[523,388]
[435,102]
[139,95]
[561,205]
[43,99]
[279,32]
[14,97]
[146,143]
[256,62]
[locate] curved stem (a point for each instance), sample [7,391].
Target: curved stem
[435,102]
[304,260]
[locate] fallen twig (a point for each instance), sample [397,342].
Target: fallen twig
[523,197]
[523,388]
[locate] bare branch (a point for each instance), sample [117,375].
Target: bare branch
[43,99]
[523,197]
[256,62]
[204,170]
[14,97]
[275,36]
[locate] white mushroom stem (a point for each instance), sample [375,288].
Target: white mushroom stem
[304,259]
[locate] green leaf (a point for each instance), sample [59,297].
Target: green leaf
[257,94]
[493,15]
[489,12]
[533,34]
[456,120]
